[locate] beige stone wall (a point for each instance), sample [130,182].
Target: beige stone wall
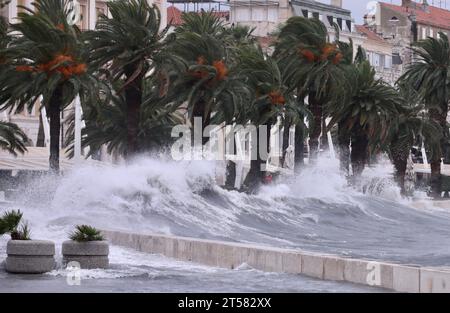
[388,74]
[265,18]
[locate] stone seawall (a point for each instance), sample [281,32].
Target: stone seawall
[230,255]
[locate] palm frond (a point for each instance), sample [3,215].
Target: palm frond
[12,138]
[84,233]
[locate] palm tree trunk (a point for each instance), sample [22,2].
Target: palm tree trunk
[230,174]
[325,145]
[55,128]
[400,151]
[400,171]
[440,116]
[285,143]
[436,179]
[316,127]
[133,98]
[40,142]
[344,149]
[299,156]
[360,143]
[299,146]
[256,176]
[199,111]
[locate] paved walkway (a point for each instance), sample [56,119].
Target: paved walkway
[36,159]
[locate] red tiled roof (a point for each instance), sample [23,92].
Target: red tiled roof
[369,33]
[222,14]
[174,15]
[433,16]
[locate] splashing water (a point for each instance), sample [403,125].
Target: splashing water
[315,210]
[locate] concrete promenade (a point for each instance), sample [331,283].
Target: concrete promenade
[401,278]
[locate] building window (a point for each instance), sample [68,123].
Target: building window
[349,25]
[330,20]
[376,60]
[242,14]
[305,13]
[339,22]
[258,15]
[83,23]
[382,60]
[273,14]
[396,59]
[388,62]
[379,60]
[316,15]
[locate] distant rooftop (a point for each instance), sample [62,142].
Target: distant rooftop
[430,15]
[369,33]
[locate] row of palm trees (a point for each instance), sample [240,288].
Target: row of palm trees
[136,80]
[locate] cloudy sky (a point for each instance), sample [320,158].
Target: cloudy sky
[359,7]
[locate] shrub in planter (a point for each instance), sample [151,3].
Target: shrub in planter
[87,247]
[25,256]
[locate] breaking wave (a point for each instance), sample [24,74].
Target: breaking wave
[315,210]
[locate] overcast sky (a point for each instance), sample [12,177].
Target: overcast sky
[359,7]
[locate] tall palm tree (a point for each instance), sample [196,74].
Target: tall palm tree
[205,77]
[106,123]
[411,126]
[429,75]
[12,138]
[311,66]
[270,100]
[5,39]
[45,57]
[343,133]
[129,45]
[365,116]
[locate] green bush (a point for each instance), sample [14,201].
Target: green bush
[10,224]
[84,233]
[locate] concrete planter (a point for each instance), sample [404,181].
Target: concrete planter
[30,256]
[90,254]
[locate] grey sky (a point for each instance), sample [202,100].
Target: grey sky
[359,7]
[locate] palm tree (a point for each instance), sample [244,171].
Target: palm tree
[271,99]
[45,58]
[365,116]
[12,138]
[203,23]
[429,75]
[106,123]
[5,62]
[343,133]
[129,45]
[409,127]
[204,76]
[311,66]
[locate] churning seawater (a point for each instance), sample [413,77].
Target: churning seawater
[314,210]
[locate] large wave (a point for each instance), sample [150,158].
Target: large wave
[314,210]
